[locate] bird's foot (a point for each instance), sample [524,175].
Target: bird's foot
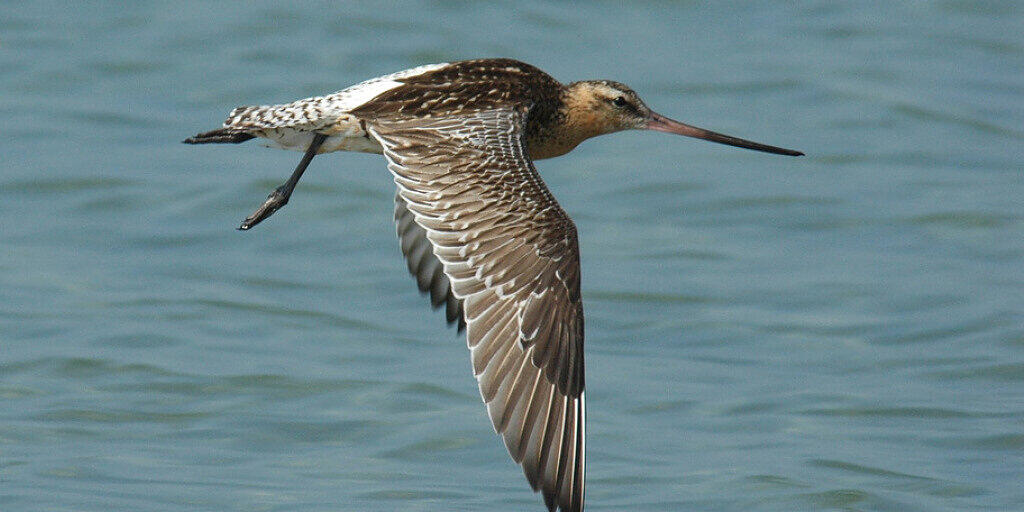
[274,202]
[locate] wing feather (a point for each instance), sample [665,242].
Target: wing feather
[424,266]
[510,255]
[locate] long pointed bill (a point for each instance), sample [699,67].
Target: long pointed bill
[661,123]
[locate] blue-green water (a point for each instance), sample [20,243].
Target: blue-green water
[842,331]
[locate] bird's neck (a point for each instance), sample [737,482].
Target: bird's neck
[572,121]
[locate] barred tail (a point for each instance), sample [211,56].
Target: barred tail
[220,136]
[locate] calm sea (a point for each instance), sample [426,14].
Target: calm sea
[841,331]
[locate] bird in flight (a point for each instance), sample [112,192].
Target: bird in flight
[480,231]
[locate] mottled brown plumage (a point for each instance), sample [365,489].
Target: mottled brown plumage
[511,255]
[480,231]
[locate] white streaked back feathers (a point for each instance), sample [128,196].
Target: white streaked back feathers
[319,111]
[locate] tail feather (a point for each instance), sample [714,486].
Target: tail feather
[220,135]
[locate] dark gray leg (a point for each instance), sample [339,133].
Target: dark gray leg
[279,197]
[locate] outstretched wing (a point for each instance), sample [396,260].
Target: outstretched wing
[511,255]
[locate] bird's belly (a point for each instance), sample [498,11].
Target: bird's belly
[344,135]
[362,144]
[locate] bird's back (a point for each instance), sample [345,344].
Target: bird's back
[433,90]
[466,86]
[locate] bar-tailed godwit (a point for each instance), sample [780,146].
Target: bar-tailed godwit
[479,229]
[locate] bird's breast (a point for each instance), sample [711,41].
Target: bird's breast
[554,140]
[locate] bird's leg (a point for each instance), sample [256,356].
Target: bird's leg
[279,197]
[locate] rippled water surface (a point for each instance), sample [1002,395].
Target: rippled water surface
[842,331]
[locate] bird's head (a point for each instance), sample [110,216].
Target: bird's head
[597,107]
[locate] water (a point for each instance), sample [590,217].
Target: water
[842,331]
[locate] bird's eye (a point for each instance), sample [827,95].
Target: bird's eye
[620,101]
